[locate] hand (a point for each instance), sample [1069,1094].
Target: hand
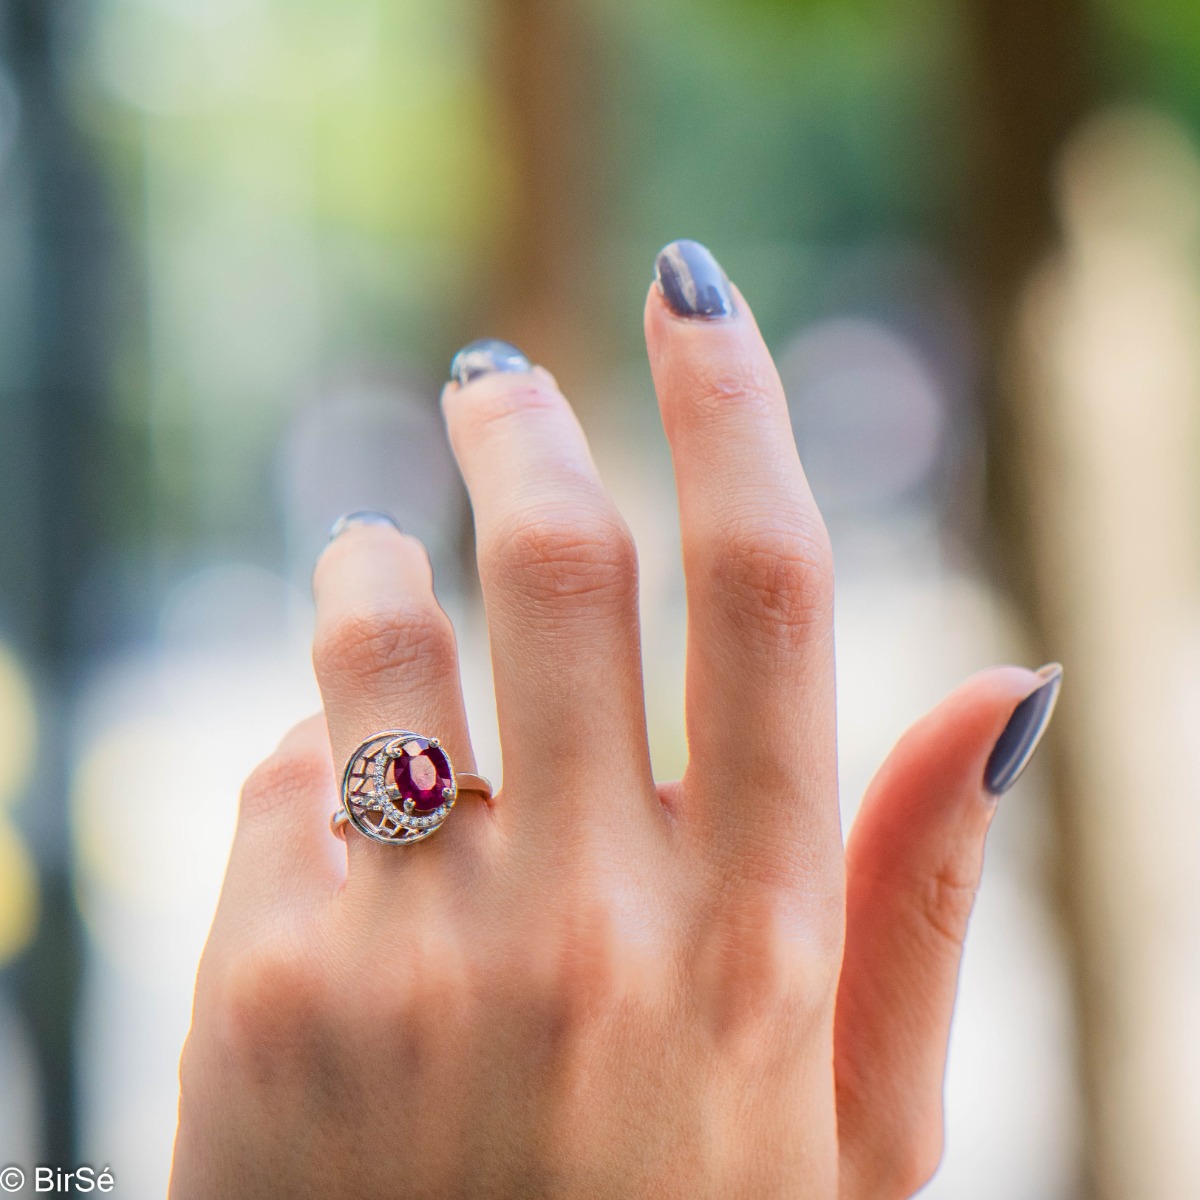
[593,985]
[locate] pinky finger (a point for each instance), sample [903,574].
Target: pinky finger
[913,864]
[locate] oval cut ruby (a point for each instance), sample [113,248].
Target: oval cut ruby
[420,773]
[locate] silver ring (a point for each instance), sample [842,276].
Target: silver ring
[399,787]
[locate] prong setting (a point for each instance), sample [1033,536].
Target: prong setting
[398,787]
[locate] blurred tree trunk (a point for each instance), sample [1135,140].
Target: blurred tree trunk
[1029,65]
[537,282]
[1108,360]
[546,64]
[51,508]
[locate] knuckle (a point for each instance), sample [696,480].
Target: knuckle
[753,968]
[777,581]
[588,973]
[946,901]
[732,391]
[576,975]
[368,645]
[551,560]
[434,977]
[283,779]
[427,989]
[274,1006]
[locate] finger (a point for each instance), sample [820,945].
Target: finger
[282,850]
[385,654]
[760,706]
[559,576]
[913,861]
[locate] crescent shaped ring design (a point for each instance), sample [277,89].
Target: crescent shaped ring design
[399,787]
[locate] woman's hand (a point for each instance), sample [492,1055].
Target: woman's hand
[595,985]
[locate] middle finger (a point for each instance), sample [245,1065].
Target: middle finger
[760,691]
[559,575]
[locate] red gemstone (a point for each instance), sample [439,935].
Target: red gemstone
[421,772]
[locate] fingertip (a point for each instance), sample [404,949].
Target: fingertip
[349,528]
[487,356]
[944,757]
[539,372]
[366,549]
[1003,713]
[691,282]
[979,698]
[499,384]
[1023,732]
[353,526]
[690,353]
[361,516]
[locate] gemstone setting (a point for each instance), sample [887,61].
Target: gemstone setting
[399,786]
[421,772]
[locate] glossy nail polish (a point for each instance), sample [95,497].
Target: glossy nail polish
[485,357]
[364,516]
[691,281]
[1021,735]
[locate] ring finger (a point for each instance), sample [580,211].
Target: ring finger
[385,656]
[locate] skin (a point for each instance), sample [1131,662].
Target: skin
[596,985]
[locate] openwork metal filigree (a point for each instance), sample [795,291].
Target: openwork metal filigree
[399,786]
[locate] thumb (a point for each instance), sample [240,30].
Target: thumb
[913,863]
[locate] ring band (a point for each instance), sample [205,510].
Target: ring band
[399,787]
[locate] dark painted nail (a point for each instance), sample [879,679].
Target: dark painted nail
[364,516]
[691,281]
[1021,735]
[484,357]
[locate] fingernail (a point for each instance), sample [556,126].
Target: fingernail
[691,281]
[484,357]
[364,516]
[1021,735]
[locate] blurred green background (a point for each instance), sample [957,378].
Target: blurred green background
[240,241]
